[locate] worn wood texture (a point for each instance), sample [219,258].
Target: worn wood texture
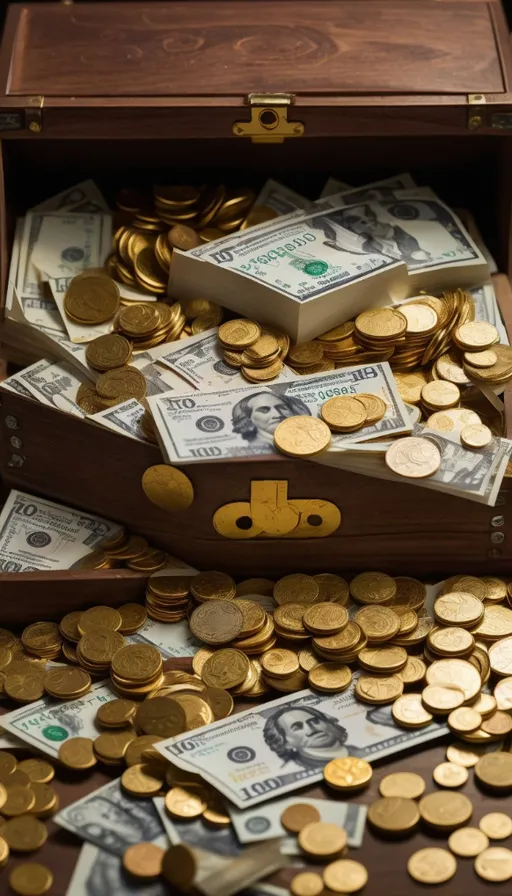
[166,49]
[384,860]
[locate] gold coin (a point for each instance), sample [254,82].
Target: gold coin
[25,687]
[494,864]
[458,608]
[394,815]
[296,588]
[91,299]
[345,640]
[199,659]
[99,618]
[440,394]
[495,589]
[306,354]
[476,435]
[457,672]
[161,716]
[179,867]
[486,358]
[467,842]
[500,657]
[465,583]
[325,618]
[413,672]
[448,774]
[381,323]
[333,588]
[239,334]
[217,622]
[408,619]
[198,711]
[494,770]
[111,746]
[373,588]
[302,436]
[186,802]
[464,720]
[137,663]
[95,650]
[345,876]
[250,587]
[226,669]
[38,770]
[46,799]
[374,405]
[402,784]
[476,334]
[143,860]
[409,593]
[462,754]
[133,617]
[445,810]
[215,813]
[432,865]
[451,641]
[136,749]
[77,753]
[30,879]
[320,839]
[306,883]
[485,704]
[25,833]
[378,623]
[378,688]
[116,713]
[142,780]
[453,419]
[499,723]
[382,659]
[442,699]
[280,662]
[167,487]
[348,773]
[329,677]
[307,660]
[107,352]
[413,457]
[67,683]
[503,693]
[254,617]
[344,414]
[4,852]
[297,816]
[409,712]
[213,585]
[19,800]
[7,764]
[496,825]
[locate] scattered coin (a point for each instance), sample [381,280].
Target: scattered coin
[394,815]
[495,770]
[445,810]
[464,720]
[322,840]
[143,860]
[432,865]
[467,842]
[402,784]
[348,773]
[31,879]
[307,883]
[345,876]
[297,816]
[494,864]
[448,774]
[496,825]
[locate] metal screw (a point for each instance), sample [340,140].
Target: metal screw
[15,442]
[474,122]
[11,422]
[16,461]
[498,521]
[497,537]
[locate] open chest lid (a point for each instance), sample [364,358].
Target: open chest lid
[188,69]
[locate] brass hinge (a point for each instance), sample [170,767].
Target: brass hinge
[475,113]
[29,118]
[269,119]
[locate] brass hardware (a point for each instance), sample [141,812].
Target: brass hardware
[34,114]
[269,514]
[475,114]
[29,118]
[269,119]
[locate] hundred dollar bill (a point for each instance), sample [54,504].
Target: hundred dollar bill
[47,723]
[38,534]
[99,872]
[474,474]
[13,384]
[55,385]
[216,851]
[82,197]
[264,823]
[113,820]
[294,273]
[241,422]
[380,189]
[285,744]
[280,198]
[421,232]
[60,245]
[200,361]
[158,377]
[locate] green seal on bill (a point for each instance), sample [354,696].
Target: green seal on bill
[316,268]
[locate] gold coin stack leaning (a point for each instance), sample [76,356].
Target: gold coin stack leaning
[257,351]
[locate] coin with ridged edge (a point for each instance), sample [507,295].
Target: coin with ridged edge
[217,622]
[226,669]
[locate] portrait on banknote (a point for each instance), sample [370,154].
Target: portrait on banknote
[255,417]
[307,736]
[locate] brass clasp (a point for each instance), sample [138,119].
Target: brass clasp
[269,119]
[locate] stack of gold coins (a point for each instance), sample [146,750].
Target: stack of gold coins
[167,598]
[67,683]
[230,669]
[258,352]
[147,324]
[345,414]
[281,670]
[94,651]
[42,639]
[422,322]
[338,344]
[136,670]
[439,395]
[113,387]
[91,298]
[308,357]
[493,366]
[380,330]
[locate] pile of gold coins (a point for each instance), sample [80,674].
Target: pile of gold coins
[259,352]
[174,217]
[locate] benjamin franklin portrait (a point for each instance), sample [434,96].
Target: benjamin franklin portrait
[307,736]
[256,416]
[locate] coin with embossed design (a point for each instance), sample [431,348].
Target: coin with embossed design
[325,618]
[217,622]
[302,436]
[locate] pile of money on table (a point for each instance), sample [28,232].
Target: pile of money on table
[281,684]
[358,330]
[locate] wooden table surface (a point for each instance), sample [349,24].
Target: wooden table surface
[385,860]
